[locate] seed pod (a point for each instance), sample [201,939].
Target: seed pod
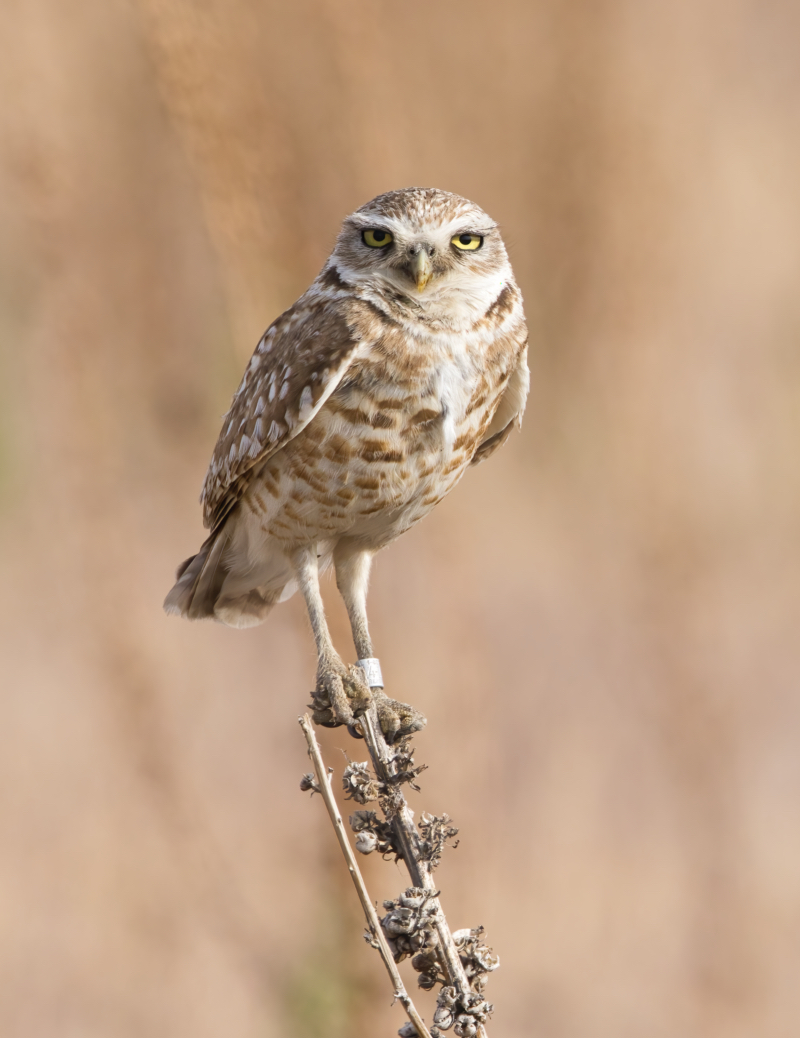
[445,1008]
[425,961]
[443,1017]
[358,784]
[465,1027]
[412,902]
[400,920]
[366,842]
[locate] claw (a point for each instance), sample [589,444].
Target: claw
[340,697]
[397,720]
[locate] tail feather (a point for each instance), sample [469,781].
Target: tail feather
[218,584]
[210,577]
[192,575]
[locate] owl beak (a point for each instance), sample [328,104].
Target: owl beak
[423,268]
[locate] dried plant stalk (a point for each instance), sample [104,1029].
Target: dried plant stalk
[375,929]
[408,840]
[442,958]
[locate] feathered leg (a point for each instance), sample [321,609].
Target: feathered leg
[352,576]
[341,693]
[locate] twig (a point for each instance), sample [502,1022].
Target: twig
[408,844]
[415,924]
[378,938]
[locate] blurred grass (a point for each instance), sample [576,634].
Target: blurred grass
[321,993]
[601,625]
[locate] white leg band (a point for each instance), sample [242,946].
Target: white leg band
[372,671]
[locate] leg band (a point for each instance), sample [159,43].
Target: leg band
[372,671]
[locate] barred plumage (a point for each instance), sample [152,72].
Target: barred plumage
[360,409]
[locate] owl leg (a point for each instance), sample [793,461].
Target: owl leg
[341,692]
[352,576]
[397,719]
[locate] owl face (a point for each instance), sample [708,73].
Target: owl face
[433,249]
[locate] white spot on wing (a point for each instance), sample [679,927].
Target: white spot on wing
[306,403]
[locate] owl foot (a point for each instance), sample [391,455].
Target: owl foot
[397,720]
[341,695]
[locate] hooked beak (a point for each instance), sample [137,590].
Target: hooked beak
[423,268]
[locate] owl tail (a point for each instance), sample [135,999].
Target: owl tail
[200,591]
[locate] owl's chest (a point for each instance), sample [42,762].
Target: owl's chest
[420,388]
[390,442]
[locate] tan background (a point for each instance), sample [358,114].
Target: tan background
[601,624]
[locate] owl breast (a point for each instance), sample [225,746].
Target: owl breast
[387,446]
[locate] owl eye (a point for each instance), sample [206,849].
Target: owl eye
[377,239]
[467,242]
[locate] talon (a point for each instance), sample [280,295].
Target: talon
[397,720]
[341,696]
[357,691]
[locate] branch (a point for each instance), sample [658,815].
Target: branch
[408,842]
[416,925]
[376,931]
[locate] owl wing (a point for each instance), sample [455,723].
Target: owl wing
[508,415]
[296,366]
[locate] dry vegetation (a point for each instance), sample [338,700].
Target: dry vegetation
[600,625]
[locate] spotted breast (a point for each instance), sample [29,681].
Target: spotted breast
[362,406]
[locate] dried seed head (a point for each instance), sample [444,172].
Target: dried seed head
[477,958]
[309,781]
[359,785]
[444,1015]
[426,963]
[408,924]
[400,920]
[466,1011]
[367,823]
[435,833]
[403,761]
[366,843]
[408,1030]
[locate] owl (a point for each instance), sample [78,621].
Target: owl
[361,408]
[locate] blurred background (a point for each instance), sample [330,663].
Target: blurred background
[601,624]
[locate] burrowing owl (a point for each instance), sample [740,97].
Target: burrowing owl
[362,406]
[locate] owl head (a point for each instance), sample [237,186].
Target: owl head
[432,249]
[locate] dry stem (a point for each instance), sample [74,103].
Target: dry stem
[388,766]
[408,843]
[379,940]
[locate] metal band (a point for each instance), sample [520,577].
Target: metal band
[372,671]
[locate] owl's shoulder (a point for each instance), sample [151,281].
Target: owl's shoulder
[297,363]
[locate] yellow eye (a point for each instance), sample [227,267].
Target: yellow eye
[467,242]
[377,239]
